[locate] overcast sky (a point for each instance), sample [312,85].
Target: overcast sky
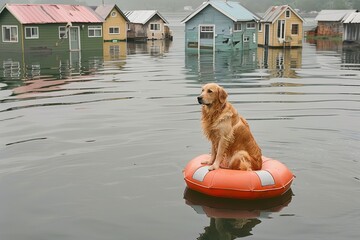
[174,5]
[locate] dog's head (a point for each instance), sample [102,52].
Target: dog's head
[212,94]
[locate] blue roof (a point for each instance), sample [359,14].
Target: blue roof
[232,10]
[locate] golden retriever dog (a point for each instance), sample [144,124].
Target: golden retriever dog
[232,143]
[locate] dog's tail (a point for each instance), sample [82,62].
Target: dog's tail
[241,160]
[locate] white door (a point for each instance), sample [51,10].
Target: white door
[74,39]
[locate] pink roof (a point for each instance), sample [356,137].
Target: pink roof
[53,13]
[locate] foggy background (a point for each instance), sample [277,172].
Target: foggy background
[258,6]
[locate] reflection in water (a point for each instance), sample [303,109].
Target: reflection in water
[218,64]
[230,218]
[280,62]
[154,48]
[114,51]
[347,56]
[275,62]
[25,74]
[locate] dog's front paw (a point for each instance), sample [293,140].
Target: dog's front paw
[207,162]
[214,167]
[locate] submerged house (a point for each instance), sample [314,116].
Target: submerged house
[219,25]
[281,26]
[330,22]
[146,25]
[49,27]
[352,28]
[115,24]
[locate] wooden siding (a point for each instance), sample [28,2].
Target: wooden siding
[48,37]
[330,29]
[115,21]
[91,43]
[225,38]
[136,32]
[291,40]
[155,34]
[6,18]
[351,32]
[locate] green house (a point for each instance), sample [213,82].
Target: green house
[49,27]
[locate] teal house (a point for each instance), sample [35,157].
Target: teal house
[49,27]
[220,25]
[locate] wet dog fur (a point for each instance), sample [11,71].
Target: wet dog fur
[232,143]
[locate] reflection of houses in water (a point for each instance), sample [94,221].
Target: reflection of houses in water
[114,51]
[56,65]
[11,69]
[326,44]
[210,66]
[153,48]
[280,62]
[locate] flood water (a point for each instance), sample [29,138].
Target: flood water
[93,145]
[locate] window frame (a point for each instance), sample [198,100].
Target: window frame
[281,29]
[154,24]
[114,33]
[113,13]
[236,27]
[297,29]
[63,32]
[37,36]
[95,29]
[288,13]
[3,28]
[250,27]
[207,32]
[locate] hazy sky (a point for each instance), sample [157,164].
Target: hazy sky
[123,4]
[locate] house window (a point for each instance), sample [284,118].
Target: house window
[260,27]
[287,14]
[154,26]
[207,32]
[113,14]
[246,38]
[9,33]
[31,32]
[62,32]
[95,31]
[250,25]
[114,30]
[281,29]
[295,29]
[237,27]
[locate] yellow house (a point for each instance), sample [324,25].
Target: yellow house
[115,25]
[281,26]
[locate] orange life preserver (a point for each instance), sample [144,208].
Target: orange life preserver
[274,179]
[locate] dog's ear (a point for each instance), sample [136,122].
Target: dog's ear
[222,95]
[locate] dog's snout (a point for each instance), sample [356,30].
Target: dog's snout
[200,99]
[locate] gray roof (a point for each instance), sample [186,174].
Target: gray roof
[233,10]
[352,18]
[274,12]
[142,16]
[333,15]
[104,11]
